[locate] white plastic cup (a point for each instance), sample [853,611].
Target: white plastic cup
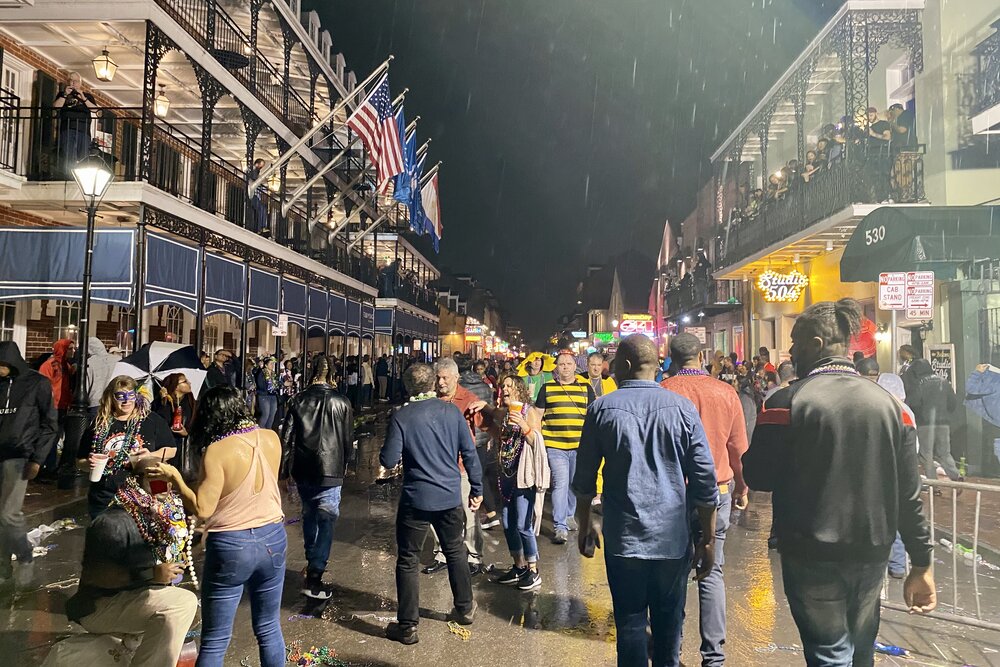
[100,463]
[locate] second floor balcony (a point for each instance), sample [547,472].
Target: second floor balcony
[702,295]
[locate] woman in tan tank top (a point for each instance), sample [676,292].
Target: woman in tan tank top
[239,500]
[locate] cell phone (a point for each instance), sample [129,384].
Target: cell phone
[158,486]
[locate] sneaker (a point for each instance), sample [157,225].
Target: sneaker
[476,569]
[897,574]
[511,576]
[561,537]
[436,566]
[466,618]
[397,633]
[530,581]
[314,587]
[491,523]
[571,522]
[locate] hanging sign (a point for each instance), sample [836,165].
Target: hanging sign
[892,290]
[281,328]
[782,287]
[919,295]
[942,358]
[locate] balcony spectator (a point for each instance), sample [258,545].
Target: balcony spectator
[879,131]
[793,174]
[904,128]
[74,105]
[777,188]
[810,167]
[756,201]
[701,278]
[258,209]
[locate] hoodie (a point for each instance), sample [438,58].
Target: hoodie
[59,370]
[100,370]
[27,416]
[932,399]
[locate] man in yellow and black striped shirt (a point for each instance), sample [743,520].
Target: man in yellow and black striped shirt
[564,400]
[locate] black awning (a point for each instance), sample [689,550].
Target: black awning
[921,238]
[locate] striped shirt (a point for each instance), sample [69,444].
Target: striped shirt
[565,407]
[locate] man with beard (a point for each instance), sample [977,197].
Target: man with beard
[829,436]
[316,436]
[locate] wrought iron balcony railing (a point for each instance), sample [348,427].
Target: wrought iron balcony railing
[690,294]
[391,287]
[876,178]
[9,129]
[176,166]
[987,79]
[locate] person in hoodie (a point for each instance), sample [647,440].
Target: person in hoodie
[100,370]
[60,369]
[932,400]
[475,383]
[27,432]
[316,437]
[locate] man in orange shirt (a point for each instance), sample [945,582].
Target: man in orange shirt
[722,416]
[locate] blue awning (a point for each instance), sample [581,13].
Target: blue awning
[338,312]
[353,317]
[319,308]
[172,272]
[265,292]
[48,264]
[225,282]
[383,320]
[293,301]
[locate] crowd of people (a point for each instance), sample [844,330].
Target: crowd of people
[887,171]
[663,450]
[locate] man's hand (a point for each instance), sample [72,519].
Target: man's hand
[475,406]
[31,470]
[475,502]
[587,535]
[164,573]
[919,592]
[741,502]
[704,558]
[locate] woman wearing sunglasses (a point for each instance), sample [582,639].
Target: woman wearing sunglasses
[124,427]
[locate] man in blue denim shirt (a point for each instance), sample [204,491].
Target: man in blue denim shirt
[651,441]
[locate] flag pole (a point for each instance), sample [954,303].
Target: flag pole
[302,189]
[284,157]
[433,170]
[423,149]
[346,191]
[410,127]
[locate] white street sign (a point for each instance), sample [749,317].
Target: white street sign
[920,295]
[892,290]
[281,329]
[697,332]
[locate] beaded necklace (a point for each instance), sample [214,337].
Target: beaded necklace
[120,460]
[161,522]
[243,426]
[691,371]
[422,397]
[509,453]
[834,368]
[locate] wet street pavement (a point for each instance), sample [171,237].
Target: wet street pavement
[567,622]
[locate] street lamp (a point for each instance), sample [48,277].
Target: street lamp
[93,176]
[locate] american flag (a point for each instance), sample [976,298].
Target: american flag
[375,123]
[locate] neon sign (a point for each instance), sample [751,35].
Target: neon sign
[782,287]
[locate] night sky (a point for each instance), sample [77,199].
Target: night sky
[570,130]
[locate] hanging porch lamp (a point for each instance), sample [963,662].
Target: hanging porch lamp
[105,67]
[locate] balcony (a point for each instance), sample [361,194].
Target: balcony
[176,167]
[986,102]
[875,179]
[408,291]
[711,296]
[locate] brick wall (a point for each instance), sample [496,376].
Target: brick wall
[33,59]
[10,217]
[41,331]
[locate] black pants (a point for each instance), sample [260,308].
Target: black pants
[411,529]
[488,461]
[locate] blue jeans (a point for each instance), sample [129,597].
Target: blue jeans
[836,608]
[897,557]
[518,518]
[320,511]
[268,405]
[648,593]
[712,592]
[252,559]
[563,465]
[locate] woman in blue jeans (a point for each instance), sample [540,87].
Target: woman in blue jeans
[524,476]
[268,387]
[239,499]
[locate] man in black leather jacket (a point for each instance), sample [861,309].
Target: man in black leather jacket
[316,436]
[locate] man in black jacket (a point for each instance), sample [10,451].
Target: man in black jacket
[316,436]
[838,452]
[933,401]
[28,425]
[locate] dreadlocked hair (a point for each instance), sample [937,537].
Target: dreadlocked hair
[834,322]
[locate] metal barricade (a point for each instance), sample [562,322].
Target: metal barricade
[961,555]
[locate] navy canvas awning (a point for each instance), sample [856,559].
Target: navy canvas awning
[48,264]
[172,272]
[383,320]
[319,308]
[293,301]
[265,295]
[338,312]
[353,317]
[368,320]
[225,282]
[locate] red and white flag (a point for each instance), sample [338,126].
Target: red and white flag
[432,208]
[375,123]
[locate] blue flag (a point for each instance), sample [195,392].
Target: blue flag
[418,221]
[401,190]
